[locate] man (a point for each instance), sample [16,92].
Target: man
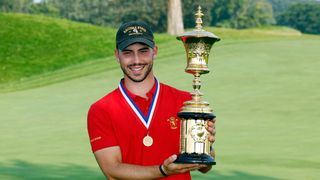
[134,130]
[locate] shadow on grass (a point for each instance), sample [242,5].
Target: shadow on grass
[238,175]
[24,170]
[231,175]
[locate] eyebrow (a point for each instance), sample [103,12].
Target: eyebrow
[143,48]
[125,50]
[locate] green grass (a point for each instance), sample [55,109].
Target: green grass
[33,45]
[263,86]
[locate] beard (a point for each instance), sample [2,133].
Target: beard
[139,78]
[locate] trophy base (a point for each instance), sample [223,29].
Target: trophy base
[194,158]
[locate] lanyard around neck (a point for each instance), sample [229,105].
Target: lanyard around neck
[146,120]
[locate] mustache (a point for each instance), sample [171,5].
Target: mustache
[137,64]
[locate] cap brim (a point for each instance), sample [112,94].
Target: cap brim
[128,42]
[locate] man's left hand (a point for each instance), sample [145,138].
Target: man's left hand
[211,128]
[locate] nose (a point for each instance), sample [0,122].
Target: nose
[136,58]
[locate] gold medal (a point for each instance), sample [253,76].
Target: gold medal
[147,141]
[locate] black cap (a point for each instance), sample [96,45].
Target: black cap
[134,32]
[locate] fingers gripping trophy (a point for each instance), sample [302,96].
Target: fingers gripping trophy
[195,146]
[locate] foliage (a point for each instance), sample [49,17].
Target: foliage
[44,8]
[189,9]
[15,5]
[237,14]
[114,12]
[280,6]
[228,13]
[304,17]
[242,13]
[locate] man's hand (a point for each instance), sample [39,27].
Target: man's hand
[171,168]
[212,137]
[212,130]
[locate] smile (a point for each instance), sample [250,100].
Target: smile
[135,68]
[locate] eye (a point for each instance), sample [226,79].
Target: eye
[144,50]
[126,52]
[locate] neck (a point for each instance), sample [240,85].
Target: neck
[140,88]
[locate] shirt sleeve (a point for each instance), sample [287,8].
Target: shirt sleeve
[100,129]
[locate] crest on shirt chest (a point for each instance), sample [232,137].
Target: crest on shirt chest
[173,122]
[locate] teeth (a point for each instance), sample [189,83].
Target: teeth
[136,68]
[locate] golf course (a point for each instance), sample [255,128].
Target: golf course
[263,86]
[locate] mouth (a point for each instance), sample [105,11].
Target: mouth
[136,68]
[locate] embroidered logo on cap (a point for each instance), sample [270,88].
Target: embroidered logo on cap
[134,30]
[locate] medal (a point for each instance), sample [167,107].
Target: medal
[147,141]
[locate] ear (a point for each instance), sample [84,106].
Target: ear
[155,51]
[116,54]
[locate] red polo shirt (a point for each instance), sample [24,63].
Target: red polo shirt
[115,121]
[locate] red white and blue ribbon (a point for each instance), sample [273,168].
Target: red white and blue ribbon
[146,120]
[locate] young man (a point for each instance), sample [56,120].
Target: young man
[134,130]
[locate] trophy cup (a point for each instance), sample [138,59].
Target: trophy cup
[194,146]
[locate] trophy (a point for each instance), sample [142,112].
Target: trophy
[195,147]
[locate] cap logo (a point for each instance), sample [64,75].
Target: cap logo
[134,30]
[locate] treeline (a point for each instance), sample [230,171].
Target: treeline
[300,14]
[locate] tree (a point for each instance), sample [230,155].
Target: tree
[261,13]
[280,6]
[304,17]
[161,15]
[114,12]
[189,9]
[230,13]
[242,14]
[15,5]
[45,8]
[175,22]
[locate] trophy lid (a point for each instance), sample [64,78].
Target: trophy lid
[198,32]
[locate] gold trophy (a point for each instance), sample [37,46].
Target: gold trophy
[195,147]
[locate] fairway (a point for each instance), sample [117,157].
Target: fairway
[264,91]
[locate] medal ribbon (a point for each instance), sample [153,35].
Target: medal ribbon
[146,120]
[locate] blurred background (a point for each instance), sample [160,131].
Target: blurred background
[239,14]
